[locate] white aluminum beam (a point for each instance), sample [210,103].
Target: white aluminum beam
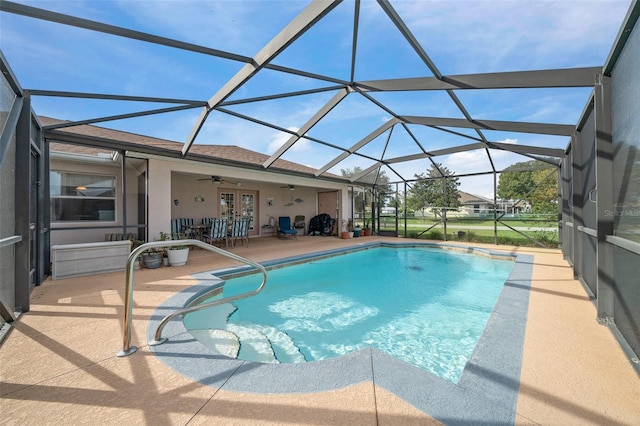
[60,18]
[572,77]
[365,172]
[528,149]
[507,126]
[406,33]
[371,136]
[298,26]
[332,163]
[444,151]
[118,117]
[335,100]
[85,95]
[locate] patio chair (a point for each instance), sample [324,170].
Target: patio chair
[285,228]
[218,232]
[206,222]
[299,223]
[181,227]
[240,229]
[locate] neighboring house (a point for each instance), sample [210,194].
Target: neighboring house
[478,206]
[472,206]
[513,207]
[106,183]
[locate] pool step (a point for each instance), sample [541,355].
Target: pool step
[254,345]
[249,341]
[214,317]
[222,342]
[283,346]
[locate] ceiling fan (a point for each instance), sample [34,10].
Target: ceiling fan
[290,187]
[218,180]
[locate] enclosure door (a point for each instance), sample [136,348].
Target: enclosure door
[34,220]
[387,216]
[237,204]
[142,206]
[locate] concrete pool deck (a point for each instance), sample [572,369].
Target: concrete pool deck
[58,363]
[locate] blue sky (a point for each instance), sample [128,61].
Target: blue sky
[459,36]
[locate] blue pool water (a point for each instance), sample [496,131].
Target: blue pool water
[425,306]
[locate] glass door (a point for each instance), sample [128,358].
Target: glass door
[237,204]
[227,205]
[247,207]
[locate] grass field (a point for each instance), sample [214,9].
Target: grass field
[540,232]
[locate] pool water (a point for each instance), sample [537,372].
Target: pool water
[425,306]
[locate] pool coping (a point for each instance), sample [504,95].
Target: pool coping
[487,390]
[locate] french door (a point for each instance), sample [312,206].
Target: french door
[238,204]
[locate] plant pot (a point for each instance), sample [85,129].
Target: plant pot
[351,234]
[165,261]
[365,232]
[178,257]
[151,260]
[356,232]
[344,235]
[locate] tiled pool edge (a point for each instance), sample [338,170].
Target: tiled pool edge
[286,261]
[486,392]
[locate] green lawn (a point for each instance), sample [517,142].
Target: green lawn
[413,222]
[416,228]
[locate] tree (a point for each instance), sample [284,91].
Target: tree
[382,183]
[439,188]
[530,181]
[544,199]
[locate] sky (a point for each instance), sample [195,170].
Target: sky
[460,37]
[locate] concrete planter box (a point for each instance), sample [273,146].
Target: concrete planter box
[74,260]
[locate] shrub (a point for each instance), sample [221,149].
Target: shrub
[434,234]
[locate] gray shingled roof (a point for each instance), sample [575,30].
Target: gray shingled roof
[224,153]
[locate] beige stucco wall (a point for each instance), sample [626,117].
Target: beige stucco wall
[170,179]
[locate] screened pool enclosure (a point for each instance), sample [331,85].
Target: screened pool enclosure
[363,99]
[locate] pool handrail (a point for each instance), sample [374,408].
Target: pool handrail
[127,349]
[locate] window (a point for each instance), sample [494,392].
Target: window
[476,208]
[82,197]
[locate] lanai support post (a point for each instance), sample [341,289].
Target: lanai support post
[605,213]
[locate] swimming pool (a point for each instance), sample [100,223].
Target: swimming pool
[422,305]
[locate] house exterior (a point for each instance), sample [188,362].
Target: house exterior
[478,206]
[109,185]
[472,206]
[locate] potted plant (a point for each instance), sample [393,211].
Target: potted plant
[178,255]
[366,230]
[150,259]
[344,234]
[165,257]
[357,229]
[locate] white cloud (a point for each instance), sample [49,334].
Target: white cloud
[501,35]
[280,138]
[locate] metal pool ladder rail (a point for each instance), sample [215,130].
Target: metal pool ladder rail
[127,349]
